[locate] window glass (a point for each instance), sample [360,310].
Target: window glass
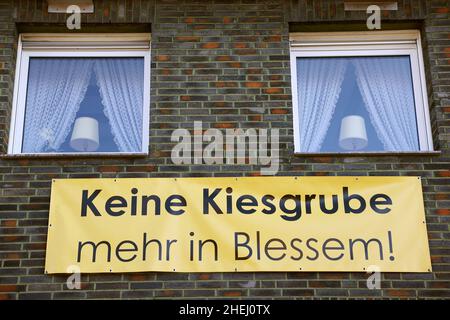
[356,104]
[84,105]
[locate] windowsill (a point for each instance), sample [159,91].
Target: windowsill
[367,154]
[101,155]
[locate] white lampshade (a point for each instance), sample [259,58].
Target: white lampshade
[85,135]
[353,133]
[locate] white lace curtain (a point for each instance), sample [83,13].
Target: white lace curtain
[386,87]
[319,85]
[56,88]
[121,84]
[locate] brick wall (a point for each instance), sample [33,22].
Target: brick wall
[225,62]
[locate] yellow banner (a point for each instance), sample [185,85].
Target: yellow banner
[238,224]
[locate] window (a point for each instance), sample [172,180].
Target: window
[81,93]
[359,92]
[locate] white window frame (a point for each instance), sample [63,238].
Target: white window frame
[75,45]
[373,43]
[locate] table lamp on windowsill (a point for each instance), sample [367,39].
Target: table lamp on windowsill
[353,135]
[85,135]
